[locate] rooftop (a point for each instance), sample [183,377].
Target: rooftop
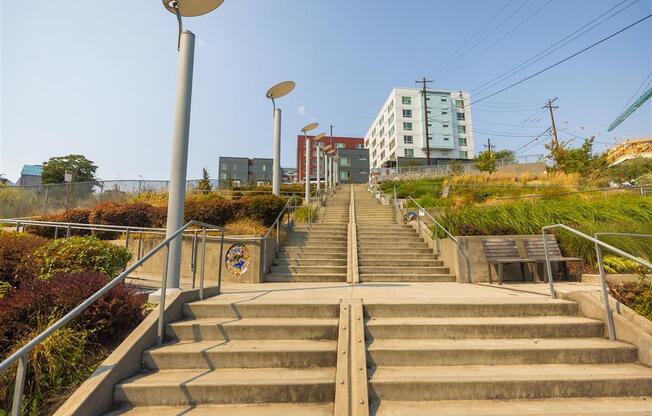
[32,170]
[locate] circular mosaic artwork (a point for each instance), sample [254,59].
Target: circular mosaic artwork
[237,259]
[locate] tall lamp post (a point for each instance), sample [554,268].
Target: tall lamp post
[277,91]
[305,130]
[327,177]
[179,166]
[317,139]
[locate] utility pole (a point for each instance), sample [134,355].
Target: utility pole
[424,82]
[489,146]
[549,106]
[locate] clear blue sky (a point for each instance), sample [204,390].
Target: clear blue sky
[94,78]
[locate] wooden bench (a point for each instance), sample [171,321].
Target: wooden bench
[501,251]
[535,250]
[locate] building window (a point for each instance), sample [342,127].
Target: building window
[408,152]
[264,167]
[392,144]
[407,126]
[391,131]
[464,154]
[382,143]
[340,145]
[460,116]
[344,161]
[459,103]
[461,129]
[382,132]
[345,175]
[359,146]
[407,113]
[446,139]
[406,100]
[382,154]
[444,113]
[444,125]
[462,141]
[408,139]
[390,106]
[382,119]
[390,119]
[443,100]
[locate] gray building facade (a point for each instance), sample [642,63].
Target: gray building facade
[241,171]
[354,165]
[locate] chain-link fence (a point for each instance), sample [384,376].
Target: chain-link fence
[37,200]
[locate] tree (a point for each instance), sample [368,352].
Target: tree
[486,161]
[204,183]
[456,167]
[505,157]
[575,160]
[83,170]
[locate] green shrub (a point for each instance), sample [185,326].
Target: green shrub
[304,214]
[620,265]
[78,254]
[76,215]
[137,214]
[264,208]
[15,252]
[636,295]
[18,202]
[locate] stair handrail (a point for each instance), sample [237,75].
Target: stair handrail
[277,225]
[599,245]
[22,354]
[450,236]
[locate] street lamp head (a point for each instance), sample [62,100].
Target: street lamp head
[318,137]
[309,127]
[279,90]
[191,8]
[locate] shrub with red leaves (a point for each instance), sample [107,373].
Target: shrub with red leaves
[15,251]
[76,215]
[111,316]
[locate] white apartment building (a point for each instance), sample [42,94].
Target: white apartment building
[399,130]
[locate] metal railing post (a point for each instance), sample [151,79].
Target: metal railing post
[127,234]
[219,266]
[140,244]
[193,258]
[161,304]
[548,265]
[21,373]
[264,245]
[68,231]
[203,265]
[605,294]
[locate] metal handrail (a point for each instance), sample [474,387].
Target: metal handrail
[455,240]
[603,277]
[22,354]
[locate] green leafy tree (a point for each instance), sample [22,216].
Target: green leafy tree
[632,171]
[204,183]
[575,159]
[505,156]
[456,167]
[54,169]
[486,161]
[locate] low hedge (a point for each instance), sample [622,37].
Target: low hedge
[76,215]
[15,252]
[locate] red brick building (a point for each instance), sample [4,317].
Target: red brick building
[338,142]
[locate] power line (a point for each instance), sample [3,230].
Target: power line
[459,48]
[498,40]
[565,59]
[633,97]
[539,56]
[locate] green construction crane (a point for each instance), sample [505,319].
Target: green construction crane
[641,100]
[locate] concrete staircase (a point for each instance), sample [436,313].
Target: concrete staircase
[239,359]
[506,357]
[316,252]
[388,251]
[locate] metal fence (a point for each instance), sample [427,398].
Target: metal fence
[37,200]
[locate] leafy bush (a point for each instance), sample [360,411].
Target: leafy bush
[264,208]
[138,214]
[76,215]
[18,202]
[15,252]
[618,265]
[636,295]
[117,312]
[245,226]
[304,214]
[211,210]
[78,254]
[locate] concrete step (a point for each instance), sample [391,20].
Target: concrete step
[408,276]
[484,327]
[380,251]
[211,329]
[368,254]
[308,269]
[228,386]
[267,409]
[595,406]
[310,262]
[402,270]
[305,277]
[472,309]
[317,244]
[242,354]
[400,262]
[509,382]
[440,352]
[403,240]
[312,250]
[295,254]
[214,308]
